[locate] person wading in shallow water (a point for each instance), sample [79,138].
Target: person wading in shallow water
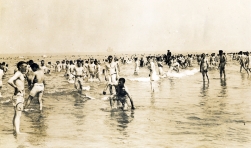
[111,74]
[17,82]
[204,67]
[222,64]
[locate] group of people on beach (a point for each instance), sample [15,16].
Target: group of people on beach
[78,71]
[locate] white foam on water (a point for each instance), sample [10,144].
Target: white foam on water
[182,73]
[86,88]
[146,79]
[105,98]
[70,81]
[141,79]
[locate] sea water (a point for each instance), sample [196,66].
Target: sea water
[182,112]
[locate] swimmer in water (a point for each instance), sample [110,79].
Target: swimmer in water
[17,82]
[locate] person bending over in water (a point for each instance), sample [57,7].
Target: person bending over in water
[38,86]
[17,82]
[204,67]
[121,96]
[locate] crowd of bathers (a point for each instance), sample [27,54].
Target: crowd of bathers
[81,70]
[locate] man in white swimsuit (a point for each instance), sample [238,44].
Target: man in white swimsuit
[38,86]
[111,74]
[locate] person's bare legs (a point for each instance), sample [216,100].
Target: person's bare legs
[207,78]
[152,85]
[40,101]
[16,118]
[27,102]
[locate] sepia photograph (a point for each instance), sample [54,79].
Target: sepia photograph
[125,74]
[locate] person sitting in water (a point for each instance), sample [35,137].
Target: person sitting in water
[121,96]
[174,65]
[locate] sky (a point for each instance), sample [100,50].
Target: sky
[72,26]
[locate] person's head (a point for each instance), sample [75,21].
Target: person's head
[34,67]
[30,62]
[67,62]
[71,62]
[79,63]
[91,61]
[42,62]
[203,55]
[149,59]
[22,66]
[110,58]
[220,52]
[121,81]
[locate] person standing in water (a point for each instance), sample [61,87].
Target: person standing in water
[79,73]
[97,70]
[38,86]
[153,74]
[248,63]
[111,74]
[17,82]
[136,66]
[204,67]
[160,66]
[1,79]
[222,64]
